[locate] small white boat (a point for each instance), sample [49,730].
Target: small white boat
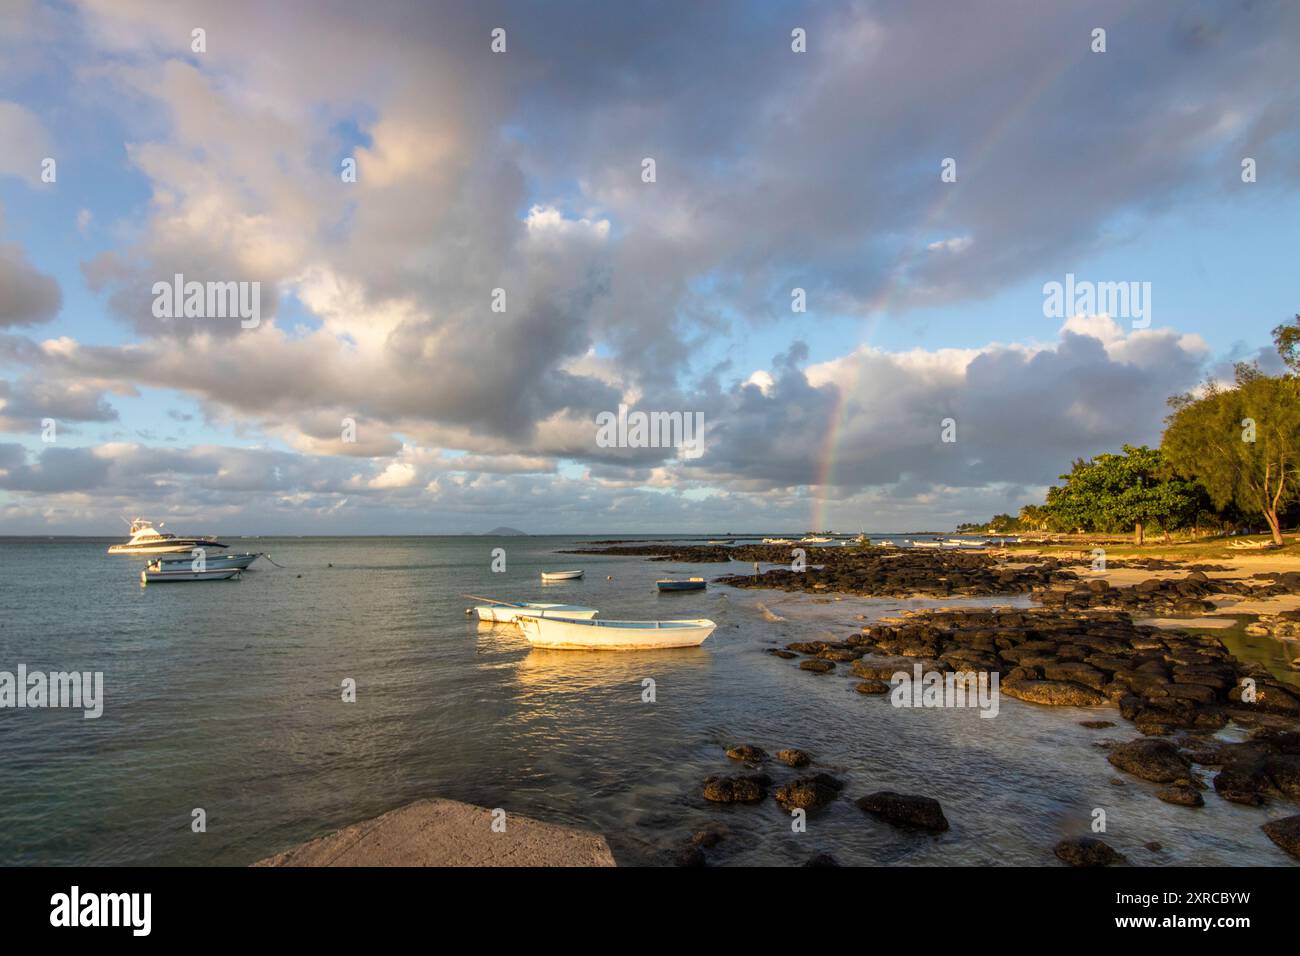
[152,575]
[212,562]
[968,542]
[561,575]
[676,584]
[506,612]
[927,544]
[595,635]
[815,539]
[146,539]
[778,540]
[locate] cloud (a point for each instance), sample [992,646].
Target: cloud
[27,296]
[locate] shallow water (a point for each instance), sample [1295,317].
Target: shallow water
[226,696]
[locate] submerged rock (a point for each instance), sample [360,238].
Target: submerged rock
[793,757]
[809,793]
[906,810]
[817,666]
[1156,760]
[747,753]
[745,788]
[1087,851]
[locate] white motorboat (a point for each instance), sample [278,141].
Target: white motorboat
[815,539]
[506,612]
[927,544]
[596,635]
[214,562]
[146,539]
[778,540]
[561,575]
[153,575]
[968,542]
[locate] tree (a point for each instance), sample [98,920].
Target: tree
[1130,490]
[1035,517]
[1287,340]
[1242,443]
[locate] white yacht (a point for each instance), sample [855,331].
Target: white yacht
[146,539]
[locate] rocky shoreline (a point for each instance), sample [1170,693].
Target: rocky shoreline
[1081,647]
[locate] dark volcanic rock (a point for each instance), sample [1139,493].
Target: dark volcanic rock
[747,753]
[906,810]
[793,758]
[809,793]
[1156,760]
[746,788]
[1181,794]
[821,859]
[1096,724]
[817,666]
[1054,692]
[871,687]
[1087,851]
[1285,833]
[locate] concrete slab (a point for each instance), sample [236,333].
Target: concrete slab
[448,833]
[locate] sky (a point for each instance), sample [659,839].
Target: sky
[920,171]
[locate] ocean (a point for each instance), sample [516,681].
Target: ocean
[227,697]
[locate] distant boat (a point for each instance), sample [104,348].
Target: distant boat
[146,539]
[927,544]
[217,562]
[721,541]
[569,634]
[506,612]
[815,539]
[153,575]
[968,542]
[561,575]
[691,584]
[778,541]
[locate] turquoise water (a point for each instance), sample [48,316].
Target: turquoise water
[226,696]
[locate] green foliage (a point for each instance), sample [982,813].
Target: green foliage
[1242,444]
[1287,340]
[1112,493]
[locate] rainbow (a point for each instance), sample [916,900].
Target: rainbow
[914,246]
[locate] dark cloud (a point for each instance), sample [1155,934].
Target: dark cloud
[27,296]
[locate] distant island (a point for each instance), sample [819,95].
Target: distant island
[503,532]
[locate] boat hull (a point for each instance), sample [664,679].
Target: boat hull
[564,634]
[681,585]
[220,562]
[561,575]
[172,546]
[167,577]
[498,614]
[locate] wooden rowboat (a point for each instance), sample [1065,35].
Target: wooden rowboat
[505,612]
[561,575]
[595,635]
